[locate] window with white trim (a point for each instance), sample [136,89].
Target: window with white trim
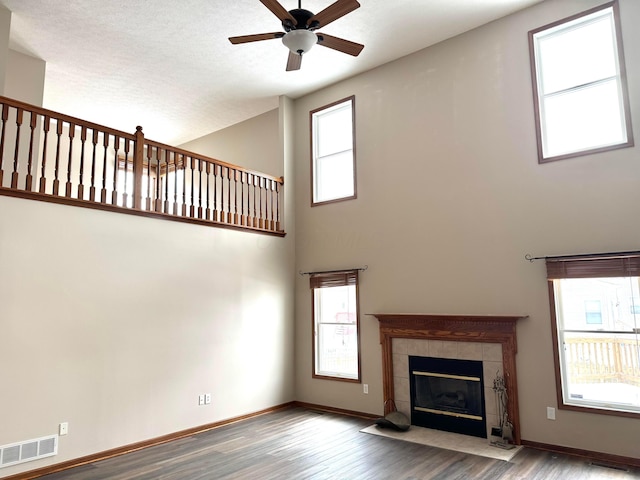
[596,326]
[333,167]
[336,325]
[580,89]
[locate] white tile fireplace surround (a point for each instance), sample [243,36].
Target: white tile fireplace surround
[490,339]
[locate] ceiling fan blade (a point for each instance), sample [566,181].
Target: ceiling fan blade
[332,12]
[255,38]
[294,62]
[279,11]
[340,44]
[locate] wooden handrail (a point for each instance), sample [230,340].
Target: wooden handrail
[77,162]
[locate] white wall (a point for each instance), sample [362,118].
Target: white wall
[451,198]
[116,323]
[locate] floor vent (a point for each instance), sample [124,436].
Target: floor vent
[28,450]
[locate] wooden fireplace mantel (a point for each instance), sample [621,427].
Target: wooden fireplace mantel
[457,328]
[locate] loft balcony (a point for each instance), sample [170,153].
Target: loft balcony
[52,157]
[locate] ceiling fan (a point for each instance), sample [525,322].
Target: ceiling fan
[300,26]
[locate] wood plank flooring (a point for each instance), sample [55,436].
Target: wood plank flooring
[303,444]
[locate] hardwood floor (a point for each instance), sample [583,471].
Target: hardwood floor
[303,444]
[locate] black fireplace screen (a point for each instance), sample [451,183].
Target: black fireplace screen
[447,394]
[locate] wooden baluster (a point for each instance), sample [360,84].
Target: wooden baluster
[278,223]
[149,156]
[125,195]
[83,139]
[267,187]
[215,193]
[200,210]
[235,196]
[16,152]
[5,117]
[254,221]
[261,215]
[193,206]
[56,170]
[223,205]
[229,214]
[248,183]
[105,145]
[29,180]
[272,217]
[167,164]
[243,216]
[72,132]
[175,183]
[116,168]
[207,212]
[92,188]
[45,128]
[158,202]
[184,185]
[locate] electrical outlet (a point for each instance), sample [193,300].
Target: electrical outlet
[63,428]
[200,399]
[207,398]
[365,388]
[551,413]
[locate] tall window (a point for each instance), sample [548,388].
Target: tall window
[336,325]
[597,332]
[580,89]
[333,166]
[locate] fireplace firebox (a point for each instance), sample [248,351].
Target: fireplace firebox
[448,394]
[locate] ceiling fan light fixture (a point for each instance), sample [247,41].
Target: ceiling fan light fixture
[300,41]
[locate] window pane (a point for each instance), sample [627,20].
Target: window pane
[336,332]
[334,177]
[333,152]
[582,119]
[577,56]
[600,361]
[338,351]
[334,131]
[601,370]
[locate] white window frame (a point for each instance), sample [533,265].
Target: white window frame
[611,11]
[316,159]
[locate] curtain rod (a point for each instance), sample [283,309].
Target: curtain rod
[585,255]
[361,269]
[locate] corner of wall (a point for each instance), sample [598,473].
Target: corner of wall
[5,28]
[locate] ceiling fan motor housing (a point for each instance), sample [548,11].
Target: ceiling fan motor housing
[302,16]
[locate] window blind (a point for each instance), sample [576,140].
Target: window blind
[594,266]
[333,279]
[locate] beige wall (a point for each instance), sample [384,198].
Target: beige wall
[451,198]
[5,28]
[25,78]
[116,323]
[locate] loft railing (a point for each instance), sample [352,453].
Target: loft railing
[53,157]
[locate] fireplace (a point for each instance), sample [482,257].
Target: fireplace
[491,340]
[447,394]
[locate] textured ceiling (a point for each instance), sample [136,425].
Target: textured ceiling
[167,64]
